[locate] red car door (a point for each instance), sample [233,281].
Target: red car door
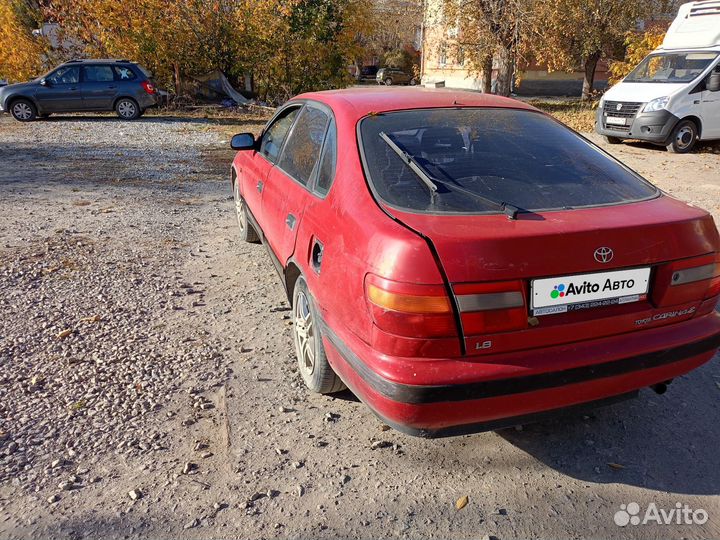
[286,194]
[255,167]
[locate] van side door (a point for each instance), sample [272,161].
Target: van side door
[710,110]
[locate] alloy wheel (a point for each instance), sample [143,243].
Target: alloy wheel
[304,329]
[239,208]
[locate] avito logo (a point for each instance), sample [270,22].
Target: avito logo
[558,291]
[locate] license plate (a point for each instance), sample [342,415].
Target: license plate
[615,121]
[583,291]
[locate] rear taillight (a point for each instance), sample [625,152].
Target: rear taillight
[487,308]
[410,309]
[688,280]
[148,87]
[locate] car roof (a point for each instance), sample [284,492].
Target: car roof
[99,61]
[360,102]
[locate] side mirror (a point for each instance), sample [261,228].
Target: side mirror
[44,82]
[713,82]
[243,141]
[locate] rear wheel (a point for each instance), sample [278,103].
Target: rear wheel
[388,82]
[127,109]
[612,140]
[23,110]
[314,367]
[247,233]
[683,138]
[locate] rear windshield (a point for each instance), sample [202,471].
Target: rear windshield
[479,159]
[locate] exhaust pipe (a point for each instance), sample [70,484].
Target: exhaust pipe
[661,388]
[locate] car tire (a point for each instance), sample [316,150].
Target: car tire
[247,232]
[127,109]
[413,82]
[683,138]
[388,81]
[612,140]
[23,110]
[314,367]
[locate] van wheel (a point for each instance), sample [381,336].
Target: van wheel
[247,233]
[127,109]
[683,138]
[314,367]
[388,82]
[23,110]
[612,140]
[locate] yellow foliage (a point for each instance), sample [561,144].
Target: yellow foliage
[21,53]
[638,46]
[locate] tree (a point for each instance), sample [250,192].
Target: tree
[637,47]
[491,29]
[22,54]
[577,33]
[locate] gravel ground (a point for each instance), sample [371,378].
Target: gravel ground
[148,384]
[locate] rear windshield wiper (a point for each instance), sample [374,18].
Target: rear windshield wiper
[414,166]
[430,182]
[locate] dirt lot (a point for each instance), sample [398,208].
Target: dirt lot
[148,386]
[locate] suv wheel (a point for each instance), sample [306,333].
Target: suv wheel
[388,82]
[683,137]
[23,110]
[314,367]
[127,109]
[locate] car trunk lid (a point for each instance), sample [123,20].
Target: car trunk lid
[630,241]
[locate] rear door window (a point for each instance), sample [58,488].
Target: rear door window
[274,136]
[302,150]
[480,159]
[326,170]
[98,74]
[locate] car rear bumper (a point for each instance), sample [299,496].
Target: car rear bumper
[468,395]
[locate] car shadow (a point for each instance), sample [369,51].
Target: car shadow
[703,147]
[661,442]
[144,120]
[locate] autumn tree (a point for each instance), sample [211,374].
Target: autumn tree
[22,55]
[487,30]
[568,34]
[637,46]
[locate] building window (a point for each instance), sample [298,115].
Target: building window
[442,55]
[461,56]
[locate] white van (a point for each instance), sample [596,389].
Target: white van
[672,98]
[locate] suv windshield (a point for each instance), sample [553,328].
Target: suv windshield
[479,159]
[680,67]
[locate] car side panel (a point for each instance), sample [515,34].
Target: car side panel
[252,170]
[357,238]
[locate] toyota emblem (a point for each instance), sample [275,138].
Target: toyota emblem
[604,255]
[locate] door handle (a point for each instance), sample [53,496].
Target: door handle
[73,88]
[112,87]
[260,187]
[290,221]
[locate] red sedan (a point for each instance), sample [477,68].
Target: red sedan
[464,262]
